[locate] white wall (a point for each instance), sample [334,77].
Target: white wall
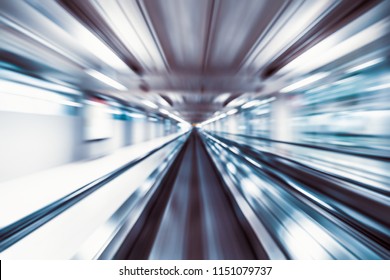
[33,142]
[118,137]
[102,147]
[281,128]
[139,131]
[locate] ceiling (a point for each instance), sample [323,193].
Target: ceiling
[192,57]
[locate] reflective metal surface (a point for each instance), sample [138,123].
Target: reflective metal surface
[194,129]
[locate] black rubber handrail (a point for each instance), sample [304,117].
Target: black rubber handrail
[305,166]
[14,232]
[140,240]
[373,234]
[323,148]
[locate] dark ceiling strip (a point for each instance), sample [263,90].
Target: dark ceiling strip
[149,24]
[167,99]
[268,29]
[210,26]
[230,99]
[88,16]
[139,37]
[373,155]
[343,14]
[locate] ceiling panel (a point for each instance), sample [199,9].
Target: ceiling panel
[181,27]
[236,27]
[199,54]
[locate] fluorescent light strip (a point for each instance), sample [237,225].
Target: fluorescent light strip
[177,118]
[105,79]
[163,111]
[326,52]
[149,104]
[53,85]
[237,102]
[127,24]
[304,82]
[19,89]
[254,103]
[297,18]
[40,40]
[365,65]
[251,104]
[379,87]
[82,35]
[213,119]
[135,115]
[231,112]
[114,111]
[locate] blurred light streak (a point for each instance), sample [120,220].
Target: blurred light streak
[365,65]
[48,85]
[252,103]
[300,239]
[250,187]
[163,111]
[344,114]
[302,83]
[105,79]
[26,98]
[253,162]
[39,39]
[293,27]
[231,167]
[149,104]
[135,115]
[98,48]
[325,51]
[379,87]
[180,120]
[222,97]
[255,103]
[347,80]
[237,102]
[220,116]
[133,31]
[232,112]
[163,102]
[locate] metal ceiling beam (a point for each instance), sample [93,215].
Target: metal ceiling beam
[340,16]
[89,17]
